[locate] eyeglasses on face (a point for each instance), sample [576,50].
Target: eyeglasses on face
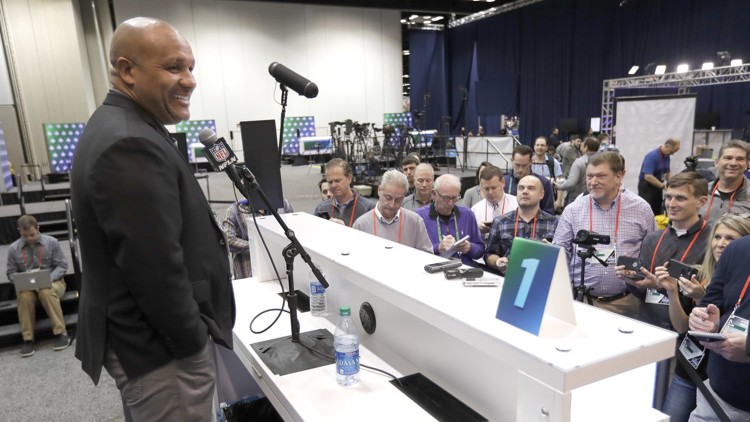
[448,198]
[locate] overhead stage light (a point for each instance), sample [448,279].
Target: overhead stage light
[736,62]
[723,57]
[660,69]
[633,70]
[682,68]
[708,66]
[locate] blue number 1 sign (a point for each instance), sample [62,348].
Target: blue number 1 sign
[529,265]
[531,268]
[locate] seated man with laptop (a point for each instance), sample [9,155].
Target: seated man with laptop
[36,266]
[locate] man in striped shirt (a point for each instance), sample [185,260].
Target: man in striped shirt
[610,210]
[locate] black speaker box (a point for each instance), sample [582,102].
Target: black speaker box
[262,157]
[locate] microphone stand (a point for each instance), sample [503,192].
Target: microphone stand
[290,251]
[582,290]
[284,95]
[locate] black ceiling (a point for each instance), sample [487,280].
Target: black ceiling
[459,7]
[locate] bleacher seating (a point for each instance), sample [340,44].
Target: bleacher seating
[10,329]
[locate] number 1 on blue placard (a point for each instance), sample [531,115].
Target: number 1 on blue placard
[529,265]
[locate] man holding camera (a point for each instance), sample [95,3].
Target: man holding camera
[684,240]
[610,210]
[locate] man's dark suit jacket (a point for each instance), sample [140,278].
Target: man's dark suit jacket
[156,277]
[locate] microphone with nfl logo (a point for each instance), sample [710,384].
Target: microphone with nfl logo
[221,157]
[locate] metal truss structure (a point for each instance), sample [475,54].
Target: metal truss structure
[681,81]
[492,11]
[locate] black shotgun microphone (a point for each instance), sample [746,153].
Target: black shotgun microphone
[294,81]
[221,157]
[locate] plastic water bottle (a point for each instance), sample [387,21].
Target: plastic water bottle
[346,345]
[318,302]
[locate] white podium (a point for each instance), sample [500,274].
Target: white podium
[603,369]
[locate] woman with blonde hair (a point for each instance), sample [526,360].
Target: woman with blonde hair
[681,396]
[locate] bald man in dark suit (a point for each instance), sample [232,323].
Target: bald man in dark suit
[156,277]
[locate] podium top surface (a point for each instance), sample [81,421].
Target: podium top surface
[602,344]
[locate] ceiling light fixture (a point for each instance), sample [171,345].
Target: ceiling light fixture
[660,69]
[682,68]
[633,70]
[707,66]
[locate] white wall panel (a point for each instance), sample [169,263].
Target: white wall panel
[354,55]
[49,65]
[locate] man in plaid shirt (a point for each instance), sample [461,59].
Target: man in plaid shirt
[528,221]
[610,210]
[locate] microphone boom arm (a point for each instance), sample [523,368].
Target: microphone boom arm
[290,251]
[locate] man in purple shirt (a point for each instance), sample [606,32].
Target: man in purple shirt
[447,223]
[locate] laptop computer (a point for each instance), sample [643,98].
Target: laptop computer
[32,280]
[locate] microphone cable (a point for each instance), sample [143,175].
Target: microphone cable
[281,309]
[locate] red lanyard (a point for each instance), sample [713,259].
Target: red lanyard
[39,263]
[711,201]
[354,208]
[533,231]
[682,259]
[617,218]
[400,224]
[744,289]
[502,210]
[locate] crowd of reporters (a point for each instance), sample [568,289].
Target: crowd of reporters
[415,209]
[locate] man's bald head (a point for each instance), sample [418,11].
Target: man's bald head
[153,64]
[130,37]
[530,192]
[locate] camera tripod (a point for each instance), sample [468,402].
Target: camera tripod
[582,291]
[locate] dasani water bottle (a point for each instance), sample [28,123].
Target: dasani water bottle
[318,303]
[346,345]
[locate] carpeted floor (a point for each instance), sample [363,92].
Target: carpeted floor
[50,386]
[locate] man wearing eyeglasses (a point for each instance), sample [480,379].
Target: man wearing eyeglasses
[447,223]
[521,161]
[390,220]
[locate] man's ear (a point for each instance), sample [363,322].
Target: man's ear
[124,70]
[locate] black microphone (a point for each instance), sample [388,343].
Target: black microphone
[585,237]
[296,82]
[221,157]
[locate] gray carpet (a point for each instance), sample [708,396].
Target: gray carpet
[50,386]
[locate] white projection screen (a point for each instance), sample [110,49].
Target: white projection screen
[644,123]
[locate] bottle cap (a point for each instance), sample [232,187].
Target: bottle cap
[345,311]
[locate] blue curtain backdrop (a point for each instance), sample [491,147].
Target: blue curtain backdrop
[547,61]
[427,77]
